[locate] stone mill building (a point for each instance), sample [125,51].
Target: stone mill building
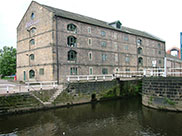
[53,43]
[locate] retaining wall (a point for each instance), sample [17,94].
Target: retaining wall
[162,93]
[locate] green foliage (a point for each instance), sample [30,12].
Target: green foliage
[169,101]
[130,88]
[7,61]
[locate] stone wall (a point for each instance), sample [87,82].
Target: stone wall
[162,93]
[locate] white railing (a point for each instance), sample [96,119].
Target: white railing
[7,88]
[41,85]
[103,77]
[126,74]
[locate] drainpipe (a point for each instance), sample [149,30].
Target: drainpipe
[57,52]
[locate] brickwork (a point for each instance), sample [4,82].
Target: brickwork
[162,93]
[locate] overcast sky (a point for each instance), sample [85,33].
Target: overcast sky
[161,18]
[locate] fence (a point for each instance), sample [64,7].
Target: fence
[28,86]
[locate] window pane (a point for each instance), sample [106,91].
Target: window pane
[104,71]
[41,71]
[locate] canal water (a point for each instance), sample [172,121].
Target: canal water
[125,117]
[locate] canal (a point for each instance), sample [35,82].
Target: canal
[126,117]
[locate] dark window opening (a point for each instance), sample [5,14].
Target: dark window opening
[71,27]
[140,50]
[104,71]
[140,61]
[71,41]
[72,55]
[32,74]
[73,71]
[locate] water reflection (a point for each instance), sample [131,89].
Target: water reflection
[126,117]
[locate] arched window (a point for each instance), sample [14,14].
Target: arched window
[140,61]
[140,50]
[72,55]
[71,41]
[32,30]
[32,41]
[139,42]
[71,27]
[31,74]
[31,56]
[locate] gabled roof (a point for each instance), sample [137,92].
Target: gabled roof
[89,20]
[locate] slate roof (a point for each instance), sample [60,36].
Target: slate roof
[89,20]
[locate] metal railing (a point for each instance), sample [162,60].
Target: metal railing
[103,77]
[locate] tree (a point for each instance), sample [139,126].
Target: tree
[7,61]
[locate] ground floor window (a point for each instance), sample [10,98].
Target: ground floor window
[104,71]
[31,74]
[90,71]
[41,71]
[73,71]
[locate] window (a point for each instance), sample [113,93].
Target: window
[115,35]
[159,45]
[139,42]
[159,52]
[126,38]
[71,41]
[41,71]
[139,50]
[71,27]
[127,59]
[103,33]
[103,44]
[31,56]
[160,61]
[127,69]
[126,47]
[116,70]
[31,74]
[72,55]
[32,30]
[32,15]
[89,30]
[104,71]
[90,55]
[116,57]
[140,61]
[73,71]
[89,41]
[104,57]
[90,71]
[32,41]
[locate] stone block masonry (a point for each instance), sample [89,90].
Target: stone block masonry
[162,93]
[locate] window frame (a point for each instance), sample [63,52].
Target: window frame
[41,71]
[104,71]
[72,27]
[32,57]
[72,55]
[31,74]
[71,41]
[73,71]
[32,41]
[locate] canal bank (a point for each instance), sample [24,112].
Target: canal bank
[73,94]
